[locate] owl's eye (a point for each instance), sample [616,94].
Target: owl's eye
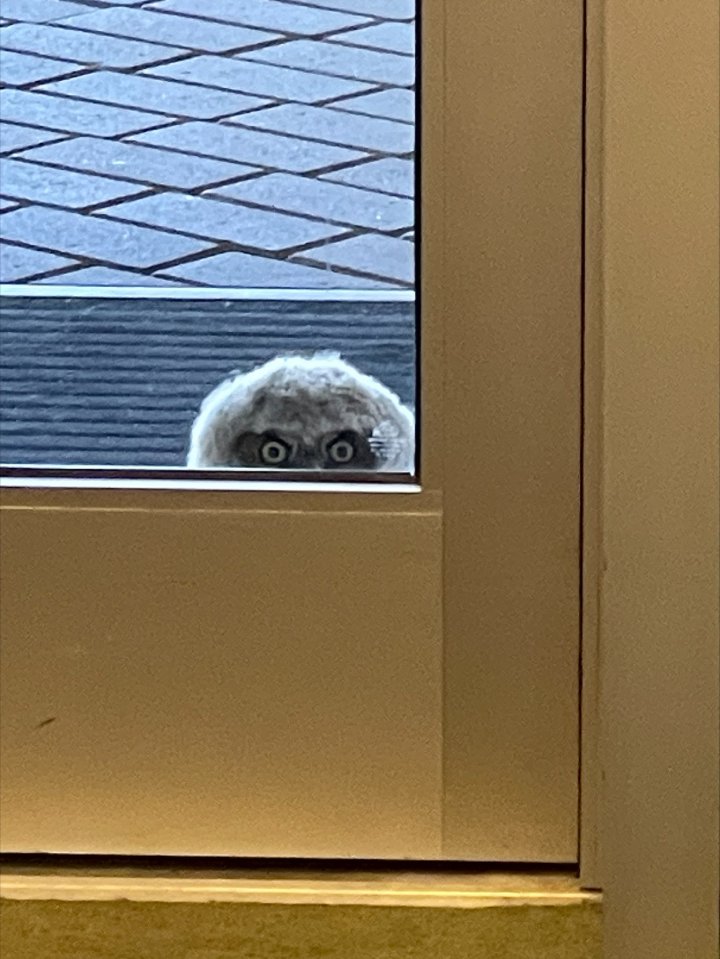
[273,452]
[342,450]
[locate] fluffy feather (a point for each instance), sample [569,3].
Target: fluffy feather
[303,402]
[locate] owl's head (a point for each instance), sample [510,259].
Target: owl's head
[303,413]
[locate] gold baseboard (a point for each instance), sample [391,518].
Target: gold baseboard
[426,889]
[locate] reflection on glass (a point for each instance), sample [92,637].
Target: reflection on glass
[200,144]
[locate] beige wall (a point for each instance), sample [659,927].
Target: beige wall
[658,299]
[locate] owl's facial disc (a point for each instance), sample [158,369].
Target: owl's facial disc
[272,449]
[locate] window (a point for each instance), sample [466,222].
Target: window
[208,200]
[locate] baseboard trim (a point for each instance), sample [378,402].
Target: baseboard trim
[434,890]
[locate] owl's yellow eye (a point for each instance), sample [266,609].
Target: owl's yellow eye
[273,452]
[341,451]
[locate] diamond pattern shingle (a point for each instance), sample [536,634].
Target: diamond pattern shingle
[188,32]
[218,221]
[83,47]
[284,128]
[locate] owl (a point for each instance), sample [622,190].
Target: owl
[303,413]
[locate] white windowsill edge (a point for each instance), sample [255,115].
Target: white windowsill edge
[236,486]
[41,290]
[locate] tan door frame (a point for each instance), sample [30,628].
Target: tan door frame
[651,470]
[486,553]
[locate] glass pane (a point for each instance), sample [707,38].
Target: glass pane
[208,235]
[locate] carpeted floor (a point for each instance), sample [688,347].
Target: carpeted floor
[138,930]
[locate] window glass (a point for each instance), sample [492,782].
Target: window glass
[208,234]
